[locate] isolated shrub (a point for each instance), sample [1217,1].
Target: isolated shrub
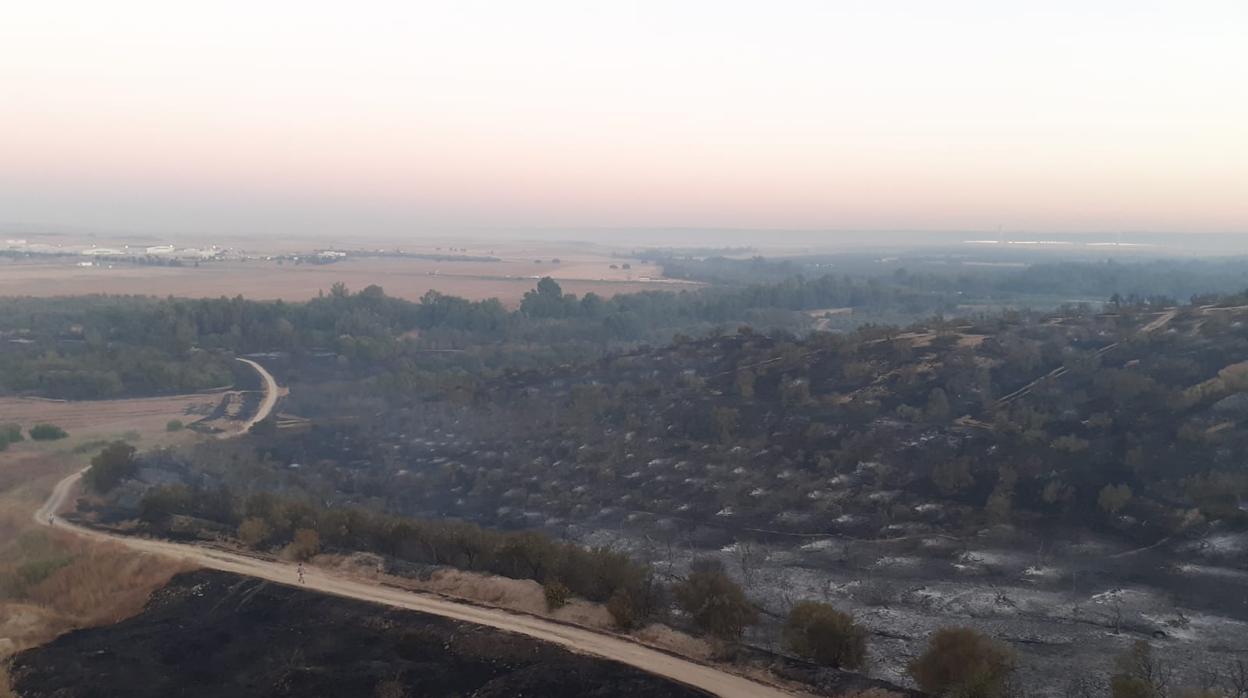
[174,425]
[1113,498]
[11,433]
[623,610]
[47,432]
[307,544]
[964,662]
[110,466]
[254,531]
[820,633]
[557,594]
[716,603]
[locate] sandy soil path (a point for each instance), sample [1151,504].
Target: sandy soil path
[271,393]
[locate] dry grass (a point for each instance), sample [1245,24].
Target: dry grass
[56,582]
[506,280]
[51,581]
[6,686]
[104,418]
[104,582]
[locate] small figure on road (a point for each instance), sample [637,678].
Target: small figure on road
[51,519]
[300,571]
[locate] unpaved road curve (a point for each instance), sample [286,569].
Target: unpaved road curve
[575,638]
[271,393]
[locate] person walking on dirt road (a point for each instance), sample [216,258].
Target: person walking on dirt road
[300,571]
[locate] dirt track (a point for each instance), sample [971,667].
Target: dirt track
[271,393]
[603,645]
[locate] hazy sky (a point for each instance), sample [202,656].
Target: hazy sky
[1062,115]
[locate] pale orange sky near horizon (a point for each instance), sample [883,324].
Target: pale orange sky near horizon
[272,117]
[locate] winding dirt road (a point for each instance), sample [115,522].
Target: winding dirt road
[271,392]
[576,638]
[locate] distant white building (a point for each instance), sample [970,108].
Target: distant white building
[160,249]
[193,253]
[102,252]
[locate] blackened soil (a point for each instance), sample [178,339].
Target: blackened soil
[217,634]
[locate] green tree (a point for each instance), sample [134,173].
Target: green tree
[716,603]
[822,634]
[545,301]
[110,467]
[965,663]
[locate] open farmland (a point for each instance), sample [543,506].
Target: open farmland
[507,277]
[104,418]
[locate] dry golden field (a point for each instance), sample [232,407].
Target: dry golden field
[51,582]
[105,418]
[516,272]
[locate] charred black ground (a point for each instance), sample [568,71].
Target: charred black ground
[218,634]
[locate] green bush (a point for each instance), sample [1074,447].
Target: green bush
[174,425]
[110,467]
[623,611]
[47,432]
[820,633]
[11,433]
[963,662]
[716,603]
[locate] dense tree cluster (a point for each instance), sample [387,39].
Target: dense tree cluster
[982,275]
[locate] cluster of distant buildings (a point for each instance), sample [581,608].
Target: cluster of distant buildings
[164,251]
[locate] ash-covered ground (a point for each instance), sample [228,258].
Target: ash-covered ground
[1068,604]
